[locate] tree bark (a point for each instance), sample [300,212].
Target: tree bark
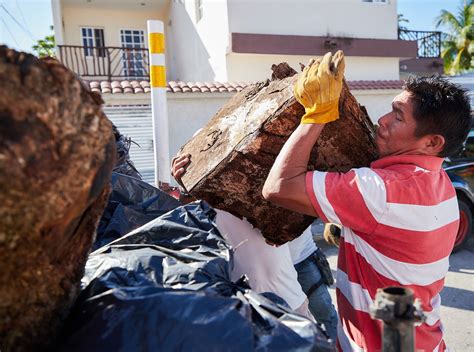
[232,155]
[56,155]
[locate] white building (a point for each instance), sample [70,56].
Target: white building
[224,41]
[238,40]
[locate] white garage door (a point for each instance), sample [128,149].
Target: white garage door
[135,122]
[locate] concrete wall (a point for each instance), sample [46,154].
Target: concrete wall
[377,102]
[199,46]
[341,18]
[190,112]
[254,67]
[111,19]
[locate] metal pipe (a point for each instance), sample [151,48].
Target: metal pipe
[398,310]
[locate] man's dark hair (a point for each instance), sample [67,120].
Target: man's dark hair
[440,107]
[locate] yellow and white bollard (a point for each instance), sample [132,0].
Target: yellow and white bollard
[159,106]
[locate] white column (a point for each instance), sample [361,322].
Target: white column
[57,22]
[159,107]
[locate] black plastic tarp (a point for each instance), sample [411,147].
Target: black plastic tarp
[166,287]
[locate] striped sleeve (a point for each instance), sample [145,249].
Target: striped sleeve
[356,199]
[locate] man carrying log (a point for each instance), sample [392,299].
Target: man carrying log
[399,216]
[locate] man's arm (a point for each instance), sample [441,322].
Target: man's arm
[318,89]
[286,182]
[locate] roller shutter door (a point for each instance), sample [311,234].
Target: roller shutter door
[135,122]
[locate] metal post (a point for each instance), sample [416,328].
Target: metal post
[159,107]
[109,64]
[395,306]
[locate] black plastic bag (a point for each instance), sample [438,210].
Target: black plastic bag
[166,287]
[132,203]
[123,164]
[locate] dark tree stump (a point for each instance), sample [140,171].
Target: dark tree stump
[233,154]
[56,155]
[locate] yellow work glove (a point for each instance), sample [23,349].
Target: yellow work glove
[332,234]
[318,88]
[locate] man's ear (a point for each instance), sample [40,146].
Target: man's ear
[435,144]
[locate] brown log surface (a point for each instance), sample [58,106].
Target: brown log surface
[56,155]
[232,155]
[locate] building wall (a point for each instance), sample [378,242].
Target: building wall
[190,112]
[199,46]
[207,40]
[377,102]
[111,19]
[255,67]
[340,18]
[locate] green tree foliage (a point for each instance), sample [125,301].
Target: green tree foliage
[458,45]
[45,47]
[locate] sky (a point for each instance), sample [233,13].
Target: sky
[23,22]
[421,13]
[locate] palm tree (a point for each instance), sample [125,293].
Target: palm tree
[401,21]
[458,46]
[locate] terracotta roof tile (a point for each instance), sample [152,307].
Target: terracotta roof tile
[126,84]
[145,86]
[95,86]
[194,87]
[375,85]
[184,87]
[137,87]
[116,87]
[203,87]
[105,87]
[172,84]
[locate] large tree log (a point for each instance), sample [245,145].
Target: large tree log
[233,153]
[56,154]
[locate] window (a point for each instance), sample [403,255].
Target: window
[133,46]
[199,9]
[93,38]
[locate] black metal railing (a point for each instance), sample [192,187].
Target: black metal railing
[429,43]
[105,62]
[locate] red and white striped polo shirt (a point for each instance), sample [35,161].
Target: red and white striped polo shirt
[400,219]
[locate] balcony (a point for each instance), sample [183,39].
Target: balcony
[105,63]
[429,43]
[428,60]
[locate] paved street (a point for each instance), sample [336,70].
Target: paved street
[457,298]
